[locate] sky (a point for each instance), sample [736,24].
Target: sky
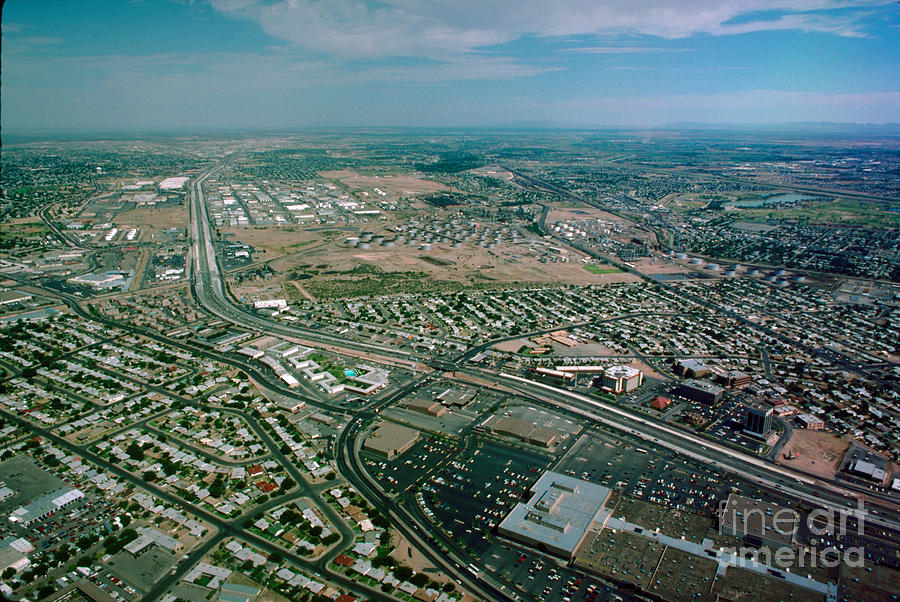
[239,64]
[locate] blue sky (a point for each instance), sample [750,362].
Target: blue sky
[169,64]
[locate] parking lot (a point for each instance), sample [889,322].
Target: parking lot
[619,462]
[425,457]
[474,492]
[730,427]
[540,577]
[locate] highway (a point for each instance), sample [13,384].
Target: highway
[209,291]
[208,288]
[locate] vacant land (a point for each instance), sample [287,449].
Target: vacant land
[394,186]
[269,241]
[818,452]
[156,218]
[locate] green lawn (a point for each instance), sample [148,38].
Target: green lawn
[599,269]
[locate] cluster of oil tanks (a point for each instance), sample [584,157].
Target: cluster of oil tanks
[778,277]
[425,236]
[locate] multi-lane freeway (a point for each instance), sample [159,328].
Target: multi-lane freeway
[209,291]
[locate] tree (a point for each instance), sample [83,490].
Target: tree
[449,587]
[135,452]
[330,539]
[403,573]
[419,580]
[276,557]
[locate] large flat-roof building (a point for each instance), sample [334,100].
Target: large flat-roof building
[700,390]
[391,440]
[558,515]
[148,536]
[45,505]
[692,368]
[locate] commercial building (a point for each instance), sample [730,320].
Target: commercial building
[425,406]
[700,390]
[102,281]
[147,537]
[660,403]
[390,440]
[454,398]
[558,515]
[866,469]
[524,430]
[14,553]
[733,379]
[621,379]
[758,421]
[758,523]
[692,368]
[45,505]
[811,422]
[554,374]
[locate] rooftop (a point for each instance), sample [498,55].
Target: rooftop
[559,513]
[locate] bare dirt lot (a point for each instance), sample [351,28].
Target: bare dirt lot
[393,186]
[582,212]
[505,264]
[818,453]
[155,218]
[269,241]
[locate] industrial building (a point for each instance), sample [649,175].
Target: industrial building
[700,390]
[757,522]
[758,421]
[390,440]
[621,379]
[558,516]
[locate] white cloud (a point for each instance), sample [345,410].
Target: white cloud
[442,29]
